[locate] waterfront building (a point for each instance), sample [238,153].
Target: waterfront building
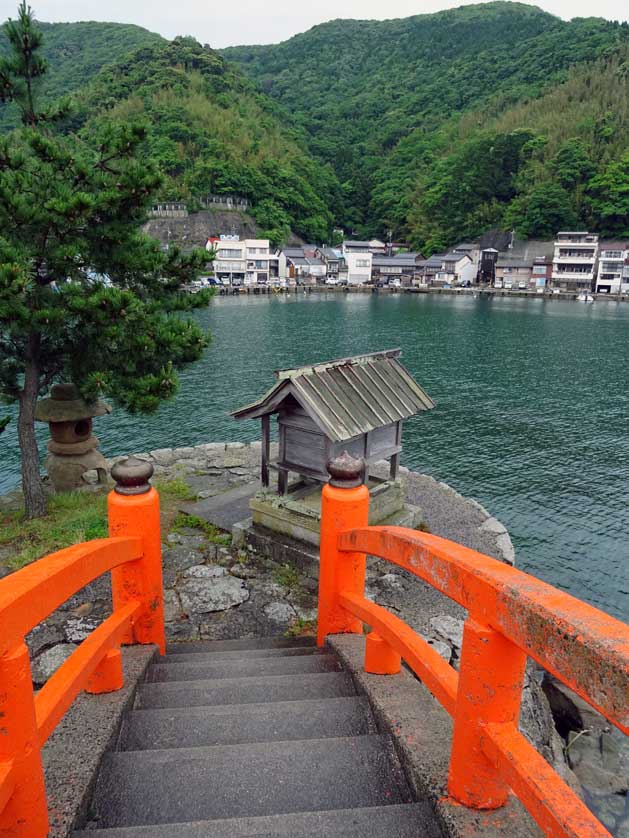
[456,269]
[574,261]
[357,268]
[306,270]
[247,261]
[402,268]
[428,269]
[613,268]
[513,273]
[541,272]
[332,259]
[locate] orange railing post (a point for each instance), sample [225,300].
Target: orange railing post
[344,505]
[491,677]
[134,511]
[26,813]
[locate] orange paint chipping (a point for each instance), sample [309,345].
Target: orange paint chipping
[133,555]
[511,616]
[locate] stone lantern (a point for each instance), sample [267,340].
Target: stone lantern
[72,448]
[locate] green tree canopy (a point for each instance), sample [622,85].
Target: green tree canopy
[84,295]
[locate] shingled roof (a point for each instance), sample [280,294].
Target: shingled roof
[349,396]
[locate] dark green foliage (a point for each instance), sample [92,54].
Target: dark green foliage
[84,295]
[74,53]
[608,197]
[401,108]
[210,131]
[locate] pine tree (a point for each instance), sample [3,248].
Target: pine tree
[85,296]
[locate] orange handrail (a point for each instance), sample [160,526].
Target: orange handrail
[31,594]
[510,615]
[132,554]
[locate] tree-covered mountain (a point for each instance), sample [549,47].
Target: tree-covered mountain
[209,130]
[76,52]
[441,125]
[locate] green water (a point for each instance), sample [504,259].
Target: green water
[531,414]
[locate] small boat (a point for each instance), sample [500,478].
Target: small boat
[584,297]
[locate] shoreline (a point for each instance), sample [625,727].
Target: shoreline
[563,296]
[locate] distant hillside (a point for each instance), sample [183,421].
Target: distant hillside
[382,102]
[212,132]
[76,52]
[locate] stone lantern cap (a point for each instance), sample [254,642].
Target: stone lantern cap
[66,405]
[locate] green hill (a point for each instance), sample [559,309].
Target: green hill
[212,132]
[77,51]
[409,114]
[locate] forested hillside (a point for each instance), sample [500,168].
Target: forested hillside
[76,52]
[441,125]
[210,131]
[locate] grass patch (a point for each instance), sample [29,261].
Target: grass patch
[212,533]
[301,628]
[176,489]
[286,576]
[72,517]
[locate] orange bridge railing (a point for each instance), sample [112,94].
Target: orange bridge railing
[511,615]
[133,555]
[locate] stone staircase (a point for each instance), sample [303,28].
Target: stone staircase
[264,738]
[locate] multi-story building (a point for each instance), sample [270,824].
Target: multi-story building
[574,261]
[401,268]
[613,268]
[456,269]
[541,272]
[246,262]
[231,259]
[513,273]
[332,259]
[357,268]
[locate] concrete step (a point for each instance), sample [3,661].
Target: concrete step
[188,727]
[241,654]
[412,820]
[246,668]
[231,781]
[196,646]
[245,690]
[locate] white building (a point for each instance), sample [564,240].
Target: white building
[613,268]
[357,268]
[574,261]
[456,268]
[246,261]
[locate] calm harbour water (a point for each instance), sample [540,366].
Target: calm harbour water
[531,418]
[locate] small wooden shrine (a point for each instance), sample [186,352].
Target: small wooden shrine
[353,404]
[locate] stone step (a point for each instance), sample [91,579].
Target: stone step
[231,781]
[201,646]
[241,654]
[246,668]
[231,724]
[245,690]
[411,820]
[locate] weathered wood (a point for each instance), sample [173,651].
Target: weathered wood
[266,448]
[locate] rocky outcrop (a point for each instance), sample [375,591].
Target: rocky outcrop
[597,753]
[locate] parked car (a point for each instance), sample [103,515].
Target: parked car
[522,285]
[498,283]
[331,280]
